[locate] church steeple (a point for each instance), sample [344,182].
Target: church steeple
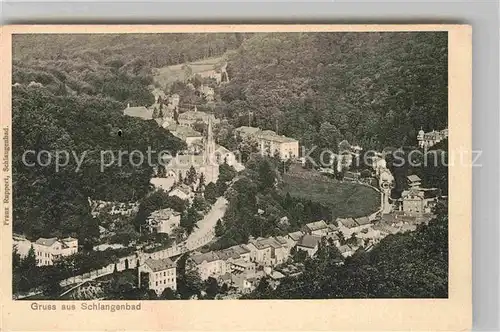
[209,144]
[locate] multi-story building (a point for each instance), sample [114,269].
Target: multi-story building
[209,265]
[427,140]
[164,221]
[416,201]
[271,143]
[162,274]
[47,251]
[319,228]
[268,251]
[309,243]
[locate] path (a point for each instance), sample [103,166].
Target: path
[205,231]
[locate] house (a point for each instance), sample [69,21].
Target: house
[293,238]
[362,221]
[186,134]
[427,140]
[209,265]
[309,243]
[48,250]
[189,118]
[319,228]
[271,143]
[183,192]
[268,251]
[413,181]
[333,238]
[164,221]
[413,201]
[346,250]
[162,274]
[348,226]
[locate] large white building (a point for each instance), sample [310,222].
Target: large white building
[47,251]
[271,143]
[162,274]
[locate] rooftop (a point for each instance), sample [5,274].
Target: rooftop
[362,221]
[208,257]
[160,264]
[46,242]
[347,222]
[413,178]
[296,235]
[317,225]
[266,243]
[309,241]
[164,214]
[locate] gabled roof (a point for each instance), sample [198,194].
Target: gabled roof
[46,242]
[296,235]
[209,257]
[309,241]
[317,225]
[347,222]
[413,178]
[160,264]
[345,248]
[362,221]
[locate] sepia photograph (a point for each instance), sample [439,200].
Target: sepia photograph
[231,165]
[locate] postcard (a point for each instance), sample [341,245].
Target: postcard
[236,177]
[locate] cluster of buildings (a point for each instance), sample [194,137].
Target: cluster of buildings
[113,208]
[270,143]
[427,140]
[47,250]
[417,200]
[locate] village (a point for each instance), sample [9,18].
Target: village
[238,268]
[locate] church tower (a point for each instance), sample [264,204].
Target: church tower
[209,144]
[211,167]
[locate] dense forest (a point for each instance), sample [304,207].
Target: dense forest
[373,89]
[405,265]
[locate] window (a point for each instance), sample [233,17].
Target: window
[157,283]
[164,273]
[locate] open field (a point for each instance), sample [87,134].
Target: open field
[346,199]
[168,75]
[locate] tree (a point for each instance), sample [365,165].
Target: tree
[211,287]
[201,182]
[267,176]
[219,228]
[180,177]
[226,173]
[199,203]
[210,193]
[168,294]
[190,176]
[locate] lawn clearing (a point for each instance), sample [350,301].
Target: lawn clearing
[345,199]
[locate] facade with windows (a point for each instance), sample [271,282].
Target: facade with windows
[47,251]
[162,274]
